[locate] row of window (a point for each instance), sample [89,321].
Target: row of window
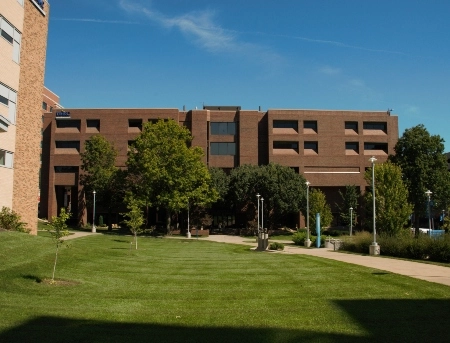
[229,148]
[14,37]
[349,146]
[8,97]
[6,159]
[46,107]
[312,125]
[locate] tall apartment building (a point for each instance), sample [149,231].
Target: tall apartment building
[23,43]
[330,148]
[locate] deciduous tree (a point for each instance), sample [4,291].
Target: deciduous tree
[136,218]
[424,167]
[165,171]
[101,174]
[391,199]
[318,204]
[58,230]
[350,198]
[281,187]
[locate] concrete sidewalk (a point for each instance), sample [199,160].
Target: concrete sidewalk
[418,270]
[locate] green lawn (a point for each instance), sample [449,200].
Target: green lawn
[174,290]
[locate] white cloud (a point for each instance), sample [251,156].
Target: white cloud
[201,28]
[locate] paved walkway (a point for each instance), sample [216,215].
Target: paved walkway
[418,270]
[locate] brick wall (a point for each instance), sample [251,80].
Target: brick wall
[29,114]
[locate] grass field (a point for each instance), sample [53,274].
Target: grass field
[175,290]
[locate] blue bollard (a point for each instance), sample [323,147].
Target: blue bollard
[318,230]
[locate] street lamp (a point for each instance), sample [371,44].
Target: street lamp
[188,232]
[262,214]
[307,241]
[351,220]
[428,193]
[257,196]
[93,215]
[374,249]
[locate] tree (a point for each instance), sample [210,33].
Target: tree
[58,230]
[164,170]
[220,182]
[349,199]
[283,190]
[391,199]
[424,167]
[100,174]
[318,204]
[136,218]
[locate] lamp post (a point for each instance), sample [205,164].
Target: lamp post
[93,215]
[188,231]
[257,196]
[374,248]
[428,193]
[351,220]
[262,214]
[307,241]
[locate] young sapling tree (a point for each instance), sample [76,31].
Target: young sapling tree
[58,230]
[136,218]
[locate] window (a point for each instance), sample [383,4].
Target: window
[285,145]
[285,124]
[351,148]
[6,159]
[4,100]
[135,123]
[351,127]
[227,128]
[375,126]
[375,148]
[66,169]
[8,97]
[223,149]
[93,124]
[65,123]
[14,37]
[311,147]
[68,145]
[44,105]
[51,109]
[310,126]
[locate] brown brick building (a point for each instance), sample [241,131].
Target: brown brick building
[330,148]
[23,43]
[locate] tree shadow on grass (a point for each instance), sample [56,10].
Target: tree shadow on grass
[401,320]
[32,277]
[383,320]
[53,329]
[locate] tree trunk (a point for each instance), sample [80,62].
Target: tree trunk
[54,265]
[109,219]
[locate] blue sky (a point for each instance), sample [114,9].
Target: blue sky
[315,54]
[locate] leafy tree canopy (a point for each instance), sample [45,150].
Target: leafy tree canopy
[101,174]
[281,187]
[164,170]
[424,167]
[391,199]
[350,198]
[318,204]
